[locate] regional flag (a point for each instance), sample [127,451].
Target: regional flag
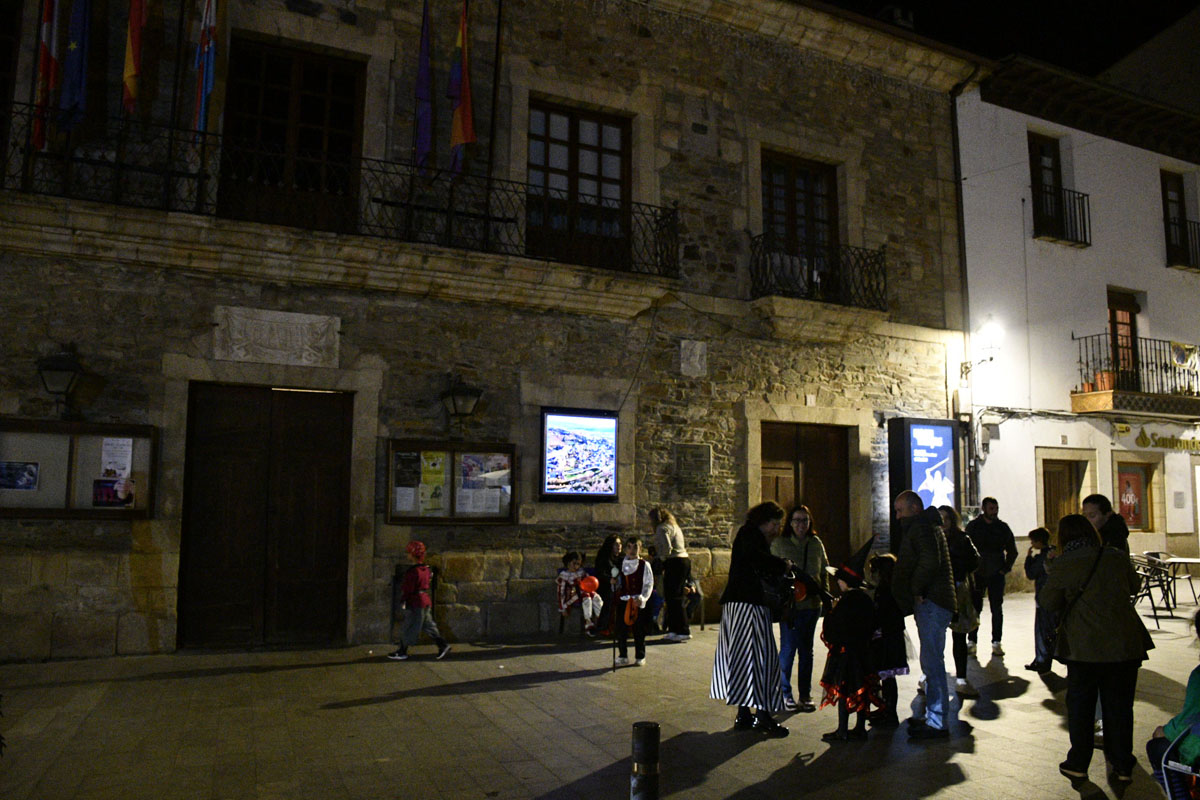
[423,138]
[48,74]
[206,58]
[133,54]
[73,101]
[462,124]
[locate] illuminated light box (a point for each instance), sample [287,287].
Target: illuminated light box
[579,455]
[923,457]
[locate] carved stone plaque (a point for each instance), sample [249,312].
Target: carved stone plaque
[693,468]
[693,358]
[275,337]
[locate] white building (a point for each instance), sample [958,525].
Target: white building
[1079,201]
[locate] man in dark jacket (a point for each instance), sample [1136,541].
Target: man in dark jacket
[923,584]
[997,553]
[1113,530]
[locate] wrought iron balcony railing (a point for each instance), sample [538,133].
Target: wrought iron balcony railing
[1148,366]
[1183,243]
[848,276]
[128,162]
[1062,215]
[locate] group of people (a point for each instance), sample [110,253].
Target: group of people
[939,574]
[936,572]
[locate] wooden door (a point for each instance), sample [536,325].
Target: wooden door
[1061,485]
[809,464]
[265,517]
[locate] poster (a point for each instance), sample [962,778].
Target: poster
[1131,495]
[433,481]
[931,450]
[116,457]
[19,476]
[112,493]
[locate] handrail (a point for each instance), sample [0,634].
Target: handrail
[1061,215]
[848,276]
[132,163]
[1150,366]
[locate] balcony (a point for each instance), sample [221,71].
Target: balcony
[1061,215]
[1155,377]
[847,276]
[1183,244]
[130,163]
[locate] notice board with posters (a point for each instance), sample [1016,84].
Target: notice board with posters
[76,470]
[441,482]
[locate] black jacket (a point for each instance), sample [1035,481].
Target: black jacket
[964,558]
[751,558]
[996,546]
[923,566]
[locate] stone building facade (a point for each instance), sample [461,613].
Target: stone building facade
[699,350]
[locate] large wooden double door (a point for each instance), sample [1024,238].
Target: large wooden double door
[265,517]
[809,464]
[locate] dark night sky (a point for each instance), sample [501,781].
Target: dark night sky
[1086,37]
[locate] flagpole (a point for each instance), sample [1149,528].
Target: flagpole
[27,172]
[168,183]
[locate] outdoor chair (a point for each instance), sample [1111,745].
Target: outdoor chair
[1153,578]
[1171,763]
[1172,564]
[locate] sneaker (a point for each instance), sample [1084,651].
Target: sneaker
[963,688]
[972,648]
[622,662]
[590,633]
[769,728]
[399,655]
[442,653]
[926,733]
[806,706]
[1117,776]
[1072,772]
[682,637]
[641,662]
[997,650]
[790,705]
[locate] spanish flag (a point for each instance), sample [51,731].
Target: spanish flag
[462,124]
[133,54]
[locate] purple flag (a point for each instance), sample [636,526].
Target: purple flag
[423,146]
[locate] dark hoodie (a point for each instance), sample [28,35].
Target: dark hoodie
[923,563]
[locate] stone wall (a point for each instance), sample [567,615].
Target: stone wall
[137,289]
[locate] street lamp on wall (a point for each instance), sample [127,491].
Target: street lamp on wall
[987,341]
[60,373]
[460,400]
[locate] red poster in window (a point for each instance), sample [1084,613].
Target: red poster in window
[1131,496]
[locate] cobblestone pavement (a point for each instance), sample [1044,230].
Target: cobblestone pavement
[546,719]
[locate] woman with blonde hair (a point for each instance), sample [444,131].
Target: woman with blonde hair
[677,569]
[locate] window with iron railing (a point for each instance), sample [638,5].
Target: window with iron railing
[1059,214]
[1181,234]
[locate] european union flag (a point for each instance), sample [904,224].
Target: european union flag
[73,100]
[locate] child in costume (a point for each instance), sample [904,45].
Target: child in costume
[889,656]
[848,679]
[416,592]
[1045,623]
[634,585]
[573,590]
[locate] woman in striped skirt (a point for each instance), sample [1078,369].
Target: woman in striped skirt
[746,667]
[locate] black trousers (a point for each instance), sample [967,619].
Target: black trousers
[995,592]
[676,572]
[621,630]
[1115,684]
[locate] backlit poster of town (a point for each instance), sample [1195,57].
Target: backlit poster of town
[580,455]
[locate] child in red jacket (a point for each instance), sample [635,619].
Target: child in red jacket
[415,594]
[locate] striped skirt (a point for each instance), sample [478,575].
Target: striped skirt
[746,666]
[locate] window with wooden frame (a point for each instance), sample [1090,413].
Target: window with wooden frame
[1123,309]
[800,223]
[1045,164]
[293,136]
[578,208]
[1182,236]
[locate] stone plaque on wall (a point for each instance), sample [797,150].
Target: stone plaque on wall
[275,337]
[693,468]
[693,358]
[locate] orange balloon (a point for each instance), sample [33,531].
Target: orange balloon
[589,583]
[800,592]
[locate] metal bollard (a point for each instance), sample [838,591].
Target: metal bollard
[643,782]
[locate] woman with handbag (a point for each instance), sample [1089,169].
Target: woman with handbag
[1102,641]
[798,542]
[746,665]
[964,560]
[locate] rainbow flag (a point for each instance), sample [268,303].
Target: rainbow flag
[462,124]
[133,54]
[48,73]
[206,57]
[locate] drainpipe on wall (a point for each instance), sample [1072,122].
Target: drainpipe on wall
[972,493]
